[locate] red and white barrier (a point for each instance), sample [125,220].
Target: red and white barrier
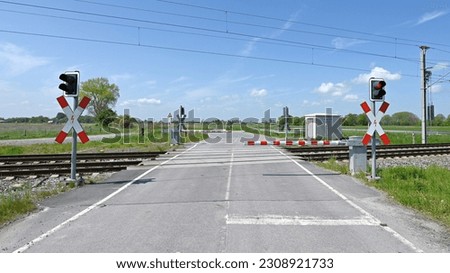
[295,143]
[72,119]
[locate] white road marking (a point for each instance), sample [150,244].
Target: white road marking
[227,194]
[285,220]
[78,215]
[365,213]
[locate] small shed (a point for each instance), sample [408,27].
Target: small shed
[323,126]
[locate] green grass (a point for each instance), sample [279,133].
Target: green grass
[424,189]
[14,205]
[133,143]
[403,138]
[17,203]
[39,130]
[334,165]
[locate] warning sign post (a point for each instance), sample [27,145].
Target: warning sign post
[375,126]
[73,123]
[70,86]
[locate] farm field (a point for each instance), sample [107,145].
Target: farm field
[40,130]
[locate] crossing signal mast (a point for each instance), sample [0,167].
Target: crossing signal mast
[376,93]
[70,86]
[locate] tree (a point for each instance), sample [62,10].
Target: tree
[439,120]
[362,119]
[103,95]
[105,117]
[350,120]
[405,119]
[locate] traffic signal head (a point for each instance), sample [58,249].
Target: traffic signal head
[376,88]
[182,114]
[286,111]
[70,83]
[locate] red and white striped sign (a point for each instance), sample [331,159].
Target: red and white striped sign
[375,123]
[295,143]
[72,121]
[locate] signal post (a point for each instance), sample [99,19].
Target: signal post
[70,86]
[376,94]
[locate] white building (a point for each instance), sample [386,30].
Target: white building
[323,126]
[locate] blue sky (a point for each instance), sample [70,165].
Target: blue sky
[224,59]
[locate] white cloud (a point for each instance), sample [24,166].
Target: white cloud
[144,101]
[437,88]
[120,77]
[141,102]
[258,92]
[334,89]
[249,46]
[180,79]
[440,66]
[17,60]
[351,97]
[342,43]
[430,16]
[377,72]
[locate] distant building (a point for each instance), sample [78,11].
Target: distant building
[323,126]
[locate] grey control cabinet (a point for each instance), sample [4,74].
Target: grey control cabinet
[357,155]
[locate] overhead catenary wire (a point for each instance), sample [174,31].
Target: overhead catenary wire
[188,50]
[416,42]
[280,41]
[261,39]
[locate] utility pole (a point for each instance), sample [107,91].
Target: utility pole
[423,90]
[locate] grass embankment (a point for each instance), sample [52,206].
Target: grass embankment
[15,204]
[424,189]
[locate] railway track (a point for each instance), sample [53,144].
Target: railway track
[26,165]
[383,151]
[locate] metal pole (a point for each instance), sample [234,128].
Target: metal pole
[374,147]
[424,95]
[73,160]
[286,123]
[180,125]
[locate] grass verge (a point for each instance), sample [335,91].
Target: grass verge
[17,203]
[424,189]
[13,205]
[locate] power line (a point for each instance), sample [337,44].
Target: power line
[288,42]
[416,42]
[189,50]
[227,21]
[274,41]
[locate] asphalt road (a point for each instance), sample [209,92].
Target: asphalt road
[224,197]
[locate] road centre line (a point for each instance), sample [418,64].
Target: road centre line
[364,212]
[90,208]
[227,194]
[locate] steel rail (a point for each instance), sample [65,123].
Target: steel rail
[385,152]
